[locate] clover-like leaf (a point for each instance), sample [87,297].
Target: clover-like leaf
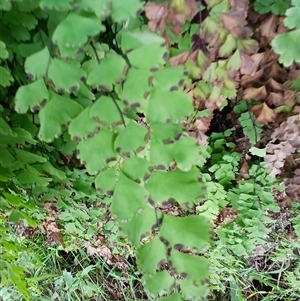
[74,30]
[82,126]
[57,113]
[106,180]
[165,106]
[161,186]
[131,139]
[141,225]
[5,77]
[65,75]
[123,10]
[36,70]
[192,232]
[32,96]
[105,111]
[102,152]
[150,255]
[102,76]
[287,46]
[128,199]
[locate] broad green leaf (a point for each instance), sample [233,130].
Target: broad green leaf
[5,128]
[19,33]
[66,76]
[161,186]
[141,225]
[228,46]
[292,19]
[102,76]
[13,199]
[287,46]
[260,152]
[105,111]
[132,139]
[185,152]
[57,113]
[15,216]
[31,222]
[74,30]
[136,89]
[131,40]
[83,126]
[192,290]
[137,169]
[36,70]
[5,77]
[102,8]
[159,283]
[61,5]
[196,267]
[234,62]
[28,157]
[165,106]
[167,132]
[169,78]
[50,169]
[159,154]
[6,158]
[151,255]
[123,10]
[97,151]
[31,97]
[173,297]
[105,181]
[192,232]
[31,176]
[128,199]
[3,51]
[148,56]
[24,19]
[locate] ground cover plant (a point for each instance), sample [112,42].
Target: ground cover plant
[149,150]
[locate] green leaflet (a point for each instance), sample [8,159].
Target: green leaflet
[57,113]
[106,180]
[161,186]
[83,126]
[165,106]
[74,30]
[150,255]
[129,198]
[141,225]
[131,140]
[122,10]
[96,152]
[101,76]
[5,77]
[31,97]
[66,76]
[34,70]
[137,169]
[158,283]
[105,111]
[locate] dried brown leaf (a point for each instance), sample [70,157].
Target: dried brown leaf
[268,27]
[255,93]
[156,13]
[263,113]
[275,99]
[248,80]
